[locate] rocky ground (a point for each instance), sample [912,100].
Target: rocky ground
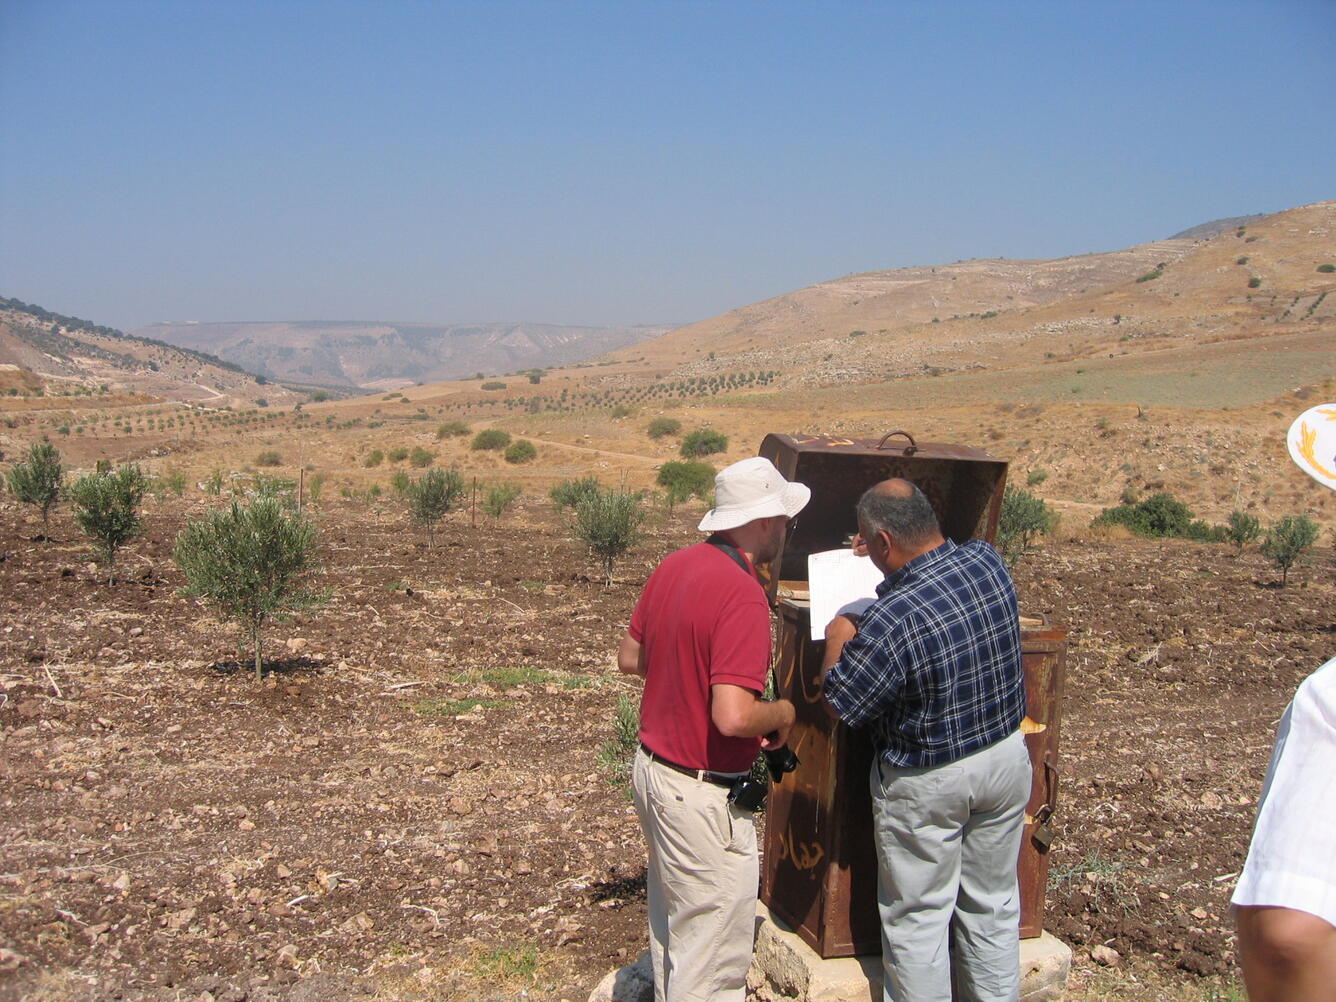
[413,803]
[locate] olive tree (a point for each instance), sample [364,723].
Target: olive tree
[1242,528]
[106,508]
[251,564]
[433,496]
[37,480]
[1287,539]
[609,523]
[1023,517]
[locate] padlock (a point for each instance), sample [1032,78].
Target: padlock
[1042,836]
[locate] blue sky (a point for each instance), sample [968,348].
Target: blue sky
[622,162]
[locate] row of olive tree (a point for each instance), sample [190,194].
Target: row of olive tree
[251,562]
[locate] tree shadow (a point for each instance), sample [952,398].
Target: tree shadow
[292,667]
[620,888]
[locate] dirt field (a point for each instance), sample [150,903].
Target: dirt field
[411,806]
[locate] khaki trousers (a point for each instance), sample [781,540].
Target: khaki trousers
[701,884]
[947,841]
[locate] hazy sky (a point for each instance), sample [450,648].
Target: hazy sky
[622,162]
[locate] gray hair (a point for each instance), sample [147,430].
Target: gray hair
[908,518]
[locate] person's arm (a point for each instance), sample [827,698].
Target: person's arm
[839,631]
[742,713]
[631,656]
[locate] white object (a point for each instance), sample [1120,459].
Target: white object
[751,489]
[839,582]
[1312,443]
[1292,859]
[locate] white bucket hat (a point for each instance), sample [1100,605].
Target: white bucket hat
[751,489]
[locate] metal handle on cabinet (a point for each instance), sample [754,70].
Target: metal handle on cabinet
[909,450]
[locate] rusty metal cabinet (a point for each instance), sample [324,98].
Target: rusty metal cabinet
[820,868]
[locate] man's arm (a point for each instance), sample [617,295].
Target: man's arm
[839,631]
[631,656]
[741,713]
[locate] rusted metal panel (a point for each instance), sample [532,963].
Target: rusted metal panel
[820,871]
[964,485]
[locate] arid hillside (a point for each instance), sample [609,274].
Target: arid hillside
[45,355]
[391,356]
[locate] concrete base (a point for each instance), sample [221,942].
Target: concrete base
[785,969]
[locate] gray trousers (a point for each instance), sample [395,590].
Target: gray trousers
[700,886]
[947,841]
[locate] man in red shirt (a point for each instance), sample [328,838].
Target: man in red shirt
[700,638]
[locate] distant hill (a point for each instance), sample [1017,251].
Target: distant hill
[387,356]
[62,355]
[1205,231]
[995,313]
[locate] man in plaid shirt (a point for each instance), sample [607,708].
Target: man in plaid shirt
[933,670]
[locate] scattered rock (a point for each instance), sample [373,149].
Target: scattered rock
[1106,956]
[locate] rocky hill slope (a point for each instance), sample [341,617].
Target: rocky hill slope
[46,353]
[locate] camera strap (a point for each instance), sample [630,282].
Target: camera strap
[724,546]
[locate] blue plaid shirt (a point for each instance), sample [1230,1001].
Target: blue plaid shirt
[935,668]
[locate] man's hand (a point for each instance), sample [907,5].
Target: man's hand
[630,657]
[777,738]
[839,631]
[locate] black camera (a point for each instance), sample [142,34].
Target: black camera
[746,793]
[780,760]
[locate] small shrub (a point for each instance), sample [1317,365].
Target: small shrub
[1037,476]
[400,482]
[1254,282]
[1151,276]
[569,493]
[490,440]
[1023,518]
[106,508]
[1242,260]
[499,498]
[493,386]
[614,757]
[522,451]
[452,429]
[251,564]
[420,457]
[1242,528]
[397,455]
[1158,516]
[621,411]
[1326,269]
[703,442]
[374,458]
[685,479]
[609,523]
[269,458]
[432,497]
[214,484]
[1286,540]
[662,427]
[175,483]
[37,479]
[314,486]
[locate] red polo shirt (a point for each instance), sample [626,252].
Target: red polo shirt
[701,621]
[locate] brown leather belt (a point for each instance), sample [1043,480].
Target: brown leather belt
[717,778]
